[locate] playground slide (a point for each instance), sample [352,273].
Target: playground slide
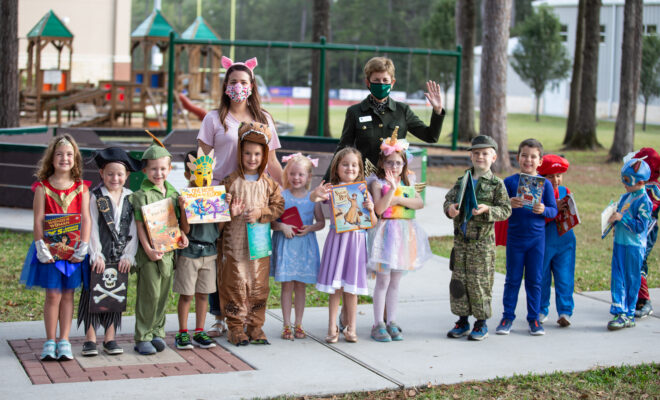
[188,105]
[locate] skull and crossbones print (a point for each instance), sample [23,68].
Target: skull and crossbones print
[109,281]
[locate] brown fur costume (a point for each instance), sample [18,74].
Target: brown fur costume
[243,283]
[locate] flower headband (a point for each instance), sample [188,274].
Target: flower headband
[250,64]
[393,144]
[314,161]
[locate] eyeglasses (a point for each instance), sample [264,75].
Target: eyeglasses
[394,164]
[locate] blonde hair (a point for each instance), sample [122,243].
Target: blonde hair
[307,164]
[45,166]
[378,64]
[334,176]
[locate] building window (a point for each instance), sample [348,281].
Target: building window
[650,29]
[602,33]
[563,33]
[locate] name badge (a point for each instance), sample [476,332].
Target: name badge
[365,118]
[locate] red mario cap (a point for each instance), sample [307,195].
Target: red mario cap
[652,159]
[553,164]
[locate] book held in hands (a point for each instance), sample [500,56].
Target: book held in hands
[291,216]
[259,240]
[62,234]
[568,216]
[205,204]
[530,189]
[348,207]
[162,225]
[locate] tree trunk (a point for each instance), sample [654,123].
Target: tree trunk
[646,104]
[465,36]
[493,77]
[631,65]
[585,135]
[321,27]
[538,106]
[576,80]
[9,112]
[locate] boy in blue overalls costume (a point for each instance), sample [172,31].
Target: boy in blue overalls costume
[559,255]
[631,221]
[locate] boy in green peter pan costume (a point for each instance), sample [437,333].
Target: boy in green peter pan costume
[154,268]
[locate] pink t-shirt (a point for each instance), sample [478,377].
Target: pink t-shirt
[225,144]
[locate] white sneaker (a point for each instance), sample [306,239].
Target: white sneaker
[542,317]
[218,328]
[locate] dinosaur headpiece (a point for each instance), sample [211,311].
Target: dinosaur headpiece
[635,170]
[254,132]
[201,168]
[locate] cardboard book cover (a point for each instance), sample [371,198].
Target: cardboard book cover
[108,290]
[400,212]
[347,207]
[530,189]
[259,240]
[291,216]
[206,204]
[161,225]
[62,234]
[568,216]
[605,226]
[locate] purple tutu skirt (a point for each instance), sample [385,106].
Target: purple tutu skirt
[344,262]
[50,276]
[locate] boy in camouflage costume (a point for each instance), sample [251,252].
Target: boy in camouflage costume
[473,256]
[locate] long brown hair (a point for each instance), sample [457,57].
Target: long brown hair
[45,166]
[334,176]
[404,171]
[253,102]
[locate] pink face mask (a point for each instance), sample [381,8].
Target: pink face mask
[238,93]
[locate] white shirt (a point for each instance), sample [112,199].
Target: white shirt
[95,249]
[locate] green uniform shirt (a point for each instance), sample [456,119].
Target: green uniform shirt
[364,127]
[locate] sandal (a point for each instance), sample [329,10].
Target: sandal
[300,333]
[286,333]
[333,338]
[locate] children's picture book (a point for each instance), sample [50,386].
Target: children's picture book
[568,216]
[62,234]
[162,225]
[530,189]
[605,226]
[467,197]
[206,204]
[400,212]
[291,216]
[347,207]
[259,241]
[108,290]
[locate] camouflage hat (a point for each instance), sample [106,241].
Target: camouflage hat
[482,142]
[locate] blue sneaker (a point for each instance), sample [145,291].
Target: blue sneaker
[630,322]
[459,330]
[379,333]
[145,348]
[479,333]
[535,328]
[618,322]
[64,350]
[504,327]
[48,352]
[158,343]
[395,331]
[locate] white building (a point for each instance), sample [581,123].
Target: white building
[555,101]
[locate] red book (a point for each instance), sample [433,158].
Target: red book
[568,216]
[291,216]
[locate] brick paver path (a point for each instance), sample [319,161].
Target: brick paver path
[196,361]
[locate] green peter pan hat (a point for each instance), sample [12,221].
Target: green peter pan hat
[156,150]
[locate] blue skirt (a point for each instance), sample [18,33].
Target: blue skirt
[50,276]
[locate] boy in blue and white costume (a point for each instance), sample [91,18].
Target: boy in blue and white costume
[632,221]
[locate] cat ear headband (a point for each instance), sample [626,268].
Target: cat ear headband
[314,161]
[250,64]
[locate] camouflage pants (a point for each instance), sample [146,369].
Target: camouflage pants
[473,269]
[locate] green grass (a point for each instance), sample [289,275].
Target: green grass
[625,382]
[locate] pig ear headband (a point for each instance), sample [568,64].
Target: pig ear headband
[250,64]
[314,161]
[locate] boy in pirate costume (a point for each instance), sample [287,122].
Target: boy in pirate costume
[154,268]
[243,283]
[112,246]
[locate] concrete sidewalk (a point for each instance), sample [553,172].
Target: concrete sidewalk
[311,367]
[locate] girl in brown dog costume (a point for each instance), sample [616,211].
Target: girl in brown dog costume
[256,197]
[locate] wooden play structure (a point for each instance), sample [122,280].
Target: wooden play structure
[203,77]
[44,85]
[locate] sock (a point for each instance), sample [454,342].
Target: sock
[197,330]
[183,330]
[479,323]
[462,320]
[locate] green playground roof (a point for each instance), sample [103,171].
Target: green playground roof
[154,26]
[50,26]
[200,30]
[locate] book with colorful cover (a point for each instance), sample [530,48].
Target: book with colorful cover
[605,225]
[161,225]
[568,216]
[347,207]
[259,240]
[205,204]
[62,234]
[291,216]
[530,189]
[400,212]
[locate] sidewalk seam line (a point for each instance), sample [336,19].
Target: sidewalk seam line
[359,362]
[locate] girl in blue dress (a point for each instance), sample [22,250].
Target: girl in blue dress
[295,260]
